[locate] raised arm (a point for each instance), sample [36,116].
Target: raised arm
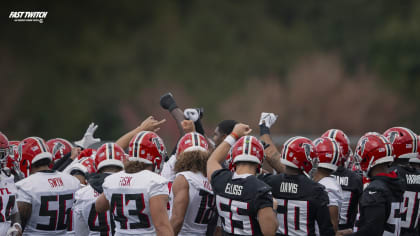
[149,124]
[271,152]
[167,102]
[220,153]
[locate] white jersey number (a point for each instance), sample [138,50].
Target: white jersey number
[234,215]
[292,217]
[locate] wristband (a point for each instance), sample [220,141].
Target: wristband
[230,140]
[235,136]
[264,130]
[17,225]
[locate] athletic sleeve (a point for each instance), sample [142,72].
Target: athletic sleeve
[219,176]
[372,216]
[23,196]
[105,187]
[334,197]
[264,199]
[80,226]
[159,188]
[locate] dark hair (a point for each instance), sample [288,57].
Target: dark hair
[132,167]
[42,162]
[226,126]
[195,161]
[77,172]
[110,168]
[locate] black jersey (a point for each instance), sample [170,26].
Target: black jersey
[301,204]
[238,200]
[380,206]
[410,204]
[352,186]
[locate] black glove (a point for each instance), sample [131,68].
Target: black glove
[167,102]
[264,130]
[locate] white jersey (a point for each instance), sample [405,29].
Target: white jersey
[86,220]
[335,194]
[51,195]
[8,194]
[168,170]
[129,196]
[200,206]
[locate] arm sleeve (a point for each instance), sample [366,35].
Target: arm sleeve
[217,174]
[334,197]
[23,196]
[372,216]
[80,226]
[159,188]
[106,192]
[263,199]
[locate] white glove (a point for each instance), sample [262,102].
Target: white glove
[268,119]
[13,231]
[191,114]
[88,138]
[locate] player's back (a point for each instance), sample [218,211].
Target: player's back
[238,200]
[129,196]
[201,205]
[51,194]
[8,193]
[410,205]
[93,222]
[352,188]
[384,191]
[301,204]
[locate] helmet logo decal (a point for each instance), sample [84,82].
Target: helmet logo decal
[392,136]
[308,148]
[20,151]
[58,147]
[159,146]
[363,145]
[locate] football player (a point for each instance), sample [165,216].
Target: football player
[350,182]
[405,145]
[380,202]
[45,197]
[328,152]
[192,197]
[108,159]
[137,197]
[9,214]
[244,203]
[302,203]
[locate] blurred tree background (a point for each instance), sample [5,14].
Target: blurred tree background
[352,64]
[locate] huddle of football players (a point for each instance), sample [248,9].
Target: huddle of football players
[232,183]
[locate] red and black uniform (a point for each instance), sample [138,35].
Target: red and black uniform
[238,200]
[302,204]
[380,206]
[352,186]
[410,204]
